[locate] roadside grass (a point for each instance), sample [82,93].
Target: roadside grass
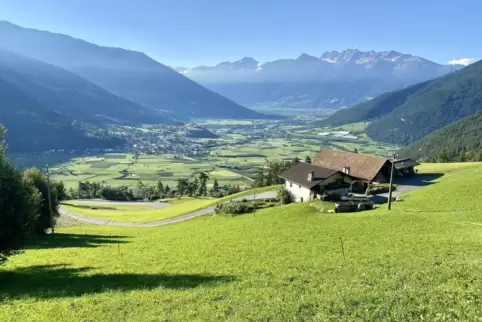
[420,261]
[145,213]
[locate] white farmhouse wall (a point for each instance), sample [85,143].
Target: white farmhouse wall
[298,192]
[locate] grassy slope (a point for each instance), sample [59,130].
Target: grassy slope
[143,213]
[421,260]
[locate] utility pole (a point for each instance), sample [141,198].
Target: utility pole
[391,182]
[50,200]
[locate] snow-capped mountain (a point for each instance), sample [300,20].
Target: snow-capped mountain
[335,79]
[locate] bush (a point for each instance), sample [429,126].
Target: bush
[284,196]
[235,208]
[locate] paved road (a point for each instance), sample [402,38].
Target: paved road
[95,221]
[119,203]
[407,184]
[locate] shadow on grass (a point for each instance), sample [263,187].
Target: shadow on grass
[73,240]
[423,179]
[50,281]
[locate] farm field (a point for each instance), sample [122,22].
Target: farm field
[123,169]
[420,261]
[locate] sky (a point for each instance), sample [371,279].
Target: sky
[205,32]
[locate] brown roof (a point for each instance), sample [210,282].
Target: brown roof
[362,166]
[299,174]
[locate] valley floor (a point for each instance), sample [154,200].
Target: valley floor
[422,260]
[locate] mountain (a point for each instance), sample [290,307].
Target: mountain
[405,116]
[128,74]
[70,95]
[31,126]
[333,80]
[461,136]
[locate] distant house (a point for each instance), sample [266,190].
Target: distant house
[307,181]
[338,172]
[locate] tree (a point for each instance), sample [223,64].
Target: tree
[3,145]
[308,159]
[259,180]
[194,187]
[19,203]
[295,161]
[71,194]
[444,156]
[160,189]
[203,179]
[39,181]
[167,191]
[215,186]
[355,150]
[181,187]
[60,190]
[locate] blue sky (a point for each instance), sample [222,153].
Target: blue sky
[193,32]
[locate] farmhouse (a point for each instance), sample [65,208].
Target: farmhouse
[336,172]
[363,167]
[307,181]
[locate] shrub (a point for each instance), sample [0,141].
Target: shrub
[235,208]
[284,196]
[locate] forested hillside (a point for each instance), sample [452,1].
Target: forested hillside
[68,94]
[404,116]
[461,141]
[31,126]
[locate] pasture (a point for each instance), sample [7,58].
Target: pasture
[420,261]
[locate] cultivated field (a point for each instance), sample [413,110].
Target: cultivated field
[420,261]
[123,169]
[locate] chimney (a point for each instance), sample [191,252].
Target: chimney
[311,176]
[346,170]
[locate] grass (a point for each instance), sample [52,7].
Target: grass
[280,264]
[421,261]
[146,213]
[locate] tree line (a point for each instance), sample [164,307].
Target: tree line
[195,186]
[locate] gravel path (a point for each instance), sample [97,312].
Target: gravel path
[95,221]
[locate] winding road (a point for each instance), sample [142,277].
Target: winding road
[65,212]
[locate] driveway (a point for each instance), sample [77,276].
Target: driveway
[407,184]
[197,213]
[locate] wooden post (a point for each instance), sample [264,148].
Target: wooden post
[391,182]
[342,248]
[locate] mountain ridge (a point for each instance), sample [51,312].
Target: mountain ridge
[355,75]
[129,74]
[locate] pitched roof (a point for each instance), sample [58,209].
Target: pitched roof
[299,174]
[363,166]
[405,163]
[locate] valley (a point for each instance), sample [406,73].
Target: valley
[233,155]
[337,186]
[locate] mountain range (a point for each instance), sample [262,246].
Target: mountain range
[73,84]
[333,80]
[407,115]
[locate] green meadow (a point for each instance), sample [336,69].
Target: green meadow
[420,261]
